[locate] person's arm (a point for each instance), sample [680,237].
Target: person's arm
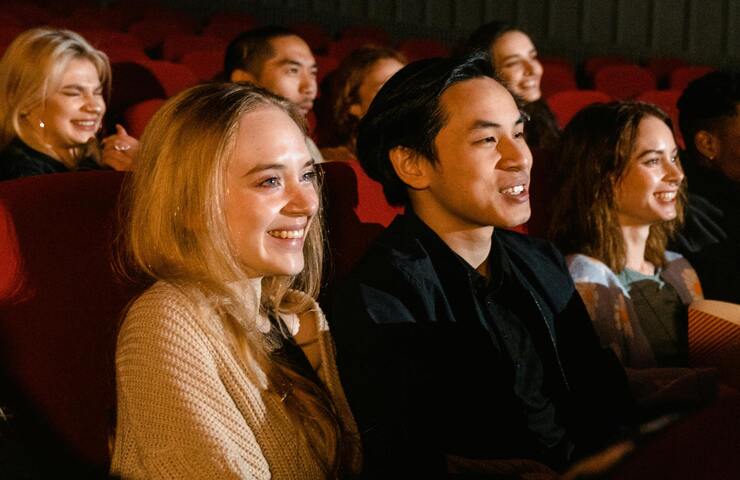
[174,410]
[601,401]
[378,357]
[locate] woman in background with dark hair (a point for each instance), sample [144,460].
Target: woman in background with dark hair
[621,198]
[514,58]
[357,80]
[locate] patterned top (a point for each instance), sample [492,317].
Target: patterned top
[613,311]
[187,407]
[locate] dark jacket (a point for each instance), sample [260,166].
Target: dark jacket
[710,238]
[19,160]
[419,375]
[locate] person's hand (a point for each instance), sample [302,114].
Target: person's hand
[119,150]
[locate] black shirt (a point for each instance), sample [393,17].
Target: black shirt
[428,373]
[505,307]
[19,160]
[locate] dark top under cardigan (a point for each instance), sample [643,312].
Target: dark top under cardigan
[19,160]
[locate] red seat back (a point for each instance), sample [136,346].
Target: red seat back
[60,304]
[176,45]
[557,77]
[663,67]
[174,77]
[569,102]
[137,117]
[593,64]
[357,212]
[205,64]
[624,81]
[682,76]
[153,30]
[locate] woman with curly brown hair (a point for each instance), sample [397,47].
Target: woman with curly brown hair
[621,197]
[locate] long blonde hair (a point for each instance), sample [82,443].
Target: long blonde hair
[31,70]
[176,231]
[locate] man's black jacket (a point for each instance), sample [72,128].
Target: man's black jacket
[418,372]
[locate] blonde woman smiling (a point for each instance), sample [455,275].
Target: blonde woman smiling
[53,91]
[225,367]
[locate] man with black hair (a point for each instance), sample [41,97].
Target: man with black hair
[275,58]
[459,343]
[709,117]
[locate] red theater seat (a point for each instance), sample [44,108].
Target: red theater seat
[173,77]
[205,64]
[356,213]
[593,64]
[569,102]
[153,31]
[60,304]
[557,77]
[682,76]
[176,45]
[624,81]
[137,117]
[663,67]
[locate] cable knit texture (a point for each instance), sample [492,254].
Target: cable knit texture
[188,407]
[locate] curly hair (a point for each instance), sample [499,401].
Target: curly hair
[594,156]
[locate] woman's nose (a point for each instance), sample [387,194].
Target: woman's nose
[304,200]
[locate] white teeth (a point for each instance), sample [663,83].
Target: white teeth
[85,123]
[286,233]
[515,190]
[666,196]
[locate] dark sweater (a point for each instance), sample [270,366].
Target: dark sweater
[19,160]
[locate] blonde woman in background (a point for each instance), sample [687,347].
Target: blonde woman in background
[225,365]
[53,91]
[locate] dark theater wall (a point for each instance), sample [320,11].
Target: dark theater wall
[701,31]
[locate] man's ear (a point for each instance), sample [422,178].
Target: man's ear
[239,75]
[707,144]
[411,167]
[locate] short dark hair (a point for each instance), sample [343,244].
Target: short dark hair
[251,49]
[407,113]
[706,103]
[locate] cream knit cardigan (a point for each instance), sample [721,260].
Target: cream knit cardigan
[188,409]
